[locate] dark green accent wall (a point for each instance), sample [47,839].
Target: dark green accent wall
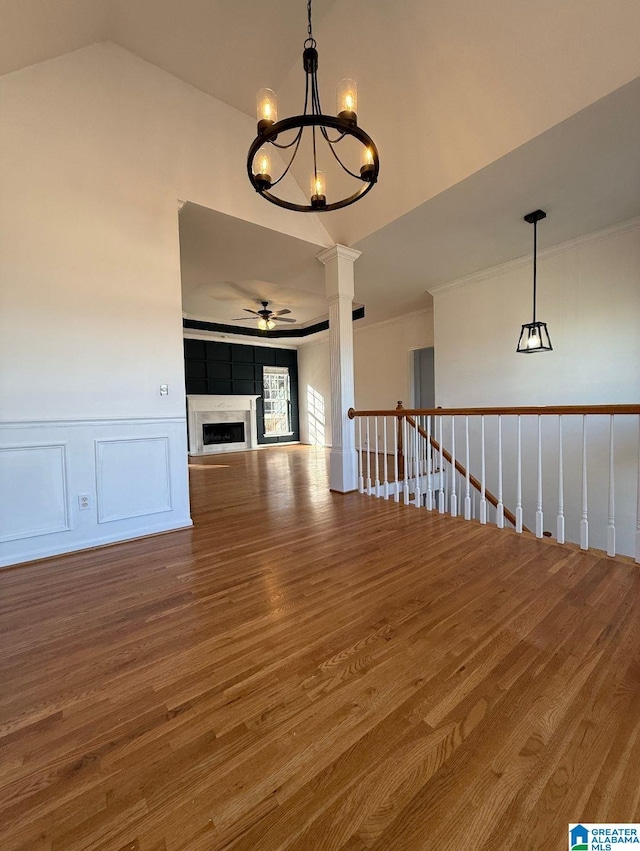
[227,368]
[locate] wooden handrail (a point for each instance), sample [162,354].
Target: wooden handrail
[542,410]
[511,517]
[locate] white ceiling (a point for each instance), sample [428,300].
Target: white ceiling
[226,48]
[229,264]
[481,112]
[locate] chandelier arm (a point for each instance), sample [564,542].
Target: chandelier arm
[291,144]
[342,165]
[323,130]
[318,111]
[293,156]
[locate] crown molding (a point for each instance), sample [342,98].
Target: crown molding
[188,323]
[544,254]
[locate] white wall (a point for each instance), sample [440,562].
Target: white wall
[589,294]
[382,355]
[314,389]
[382,365]
[96,148]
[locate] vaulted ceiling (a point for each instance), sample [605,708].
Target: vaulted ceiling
[481,112]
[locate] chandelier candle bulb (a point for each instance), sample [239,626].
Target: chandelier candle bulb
[318,189]
[347,99]
[367,169]
[267,109]
[263,170]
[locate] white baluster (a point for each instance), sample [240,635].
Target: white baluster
[453,504]
[368,459]
[406,461]
[500,507]
[611,526]
[417,494]
[377,484]
[519,480]
[429,466]
[584,519]
[467,490]
[384,447]
[441,497]
[560,519]
[483,501]
[396,477]
[360,467]
[539,515]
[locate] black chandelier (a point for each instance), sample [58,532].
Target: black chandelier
[534,336]
[345,123]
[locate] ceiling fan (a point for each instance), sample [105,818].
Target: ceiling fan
[266,318]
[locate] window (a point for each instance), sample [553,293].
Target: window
[276,397]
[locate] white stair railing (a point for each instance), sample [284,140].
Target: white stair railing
[542,471]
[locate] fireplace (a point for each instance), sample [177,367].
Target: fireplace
[222,433]
[221,423]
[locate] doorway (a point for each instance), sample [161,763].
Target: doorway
[424,387]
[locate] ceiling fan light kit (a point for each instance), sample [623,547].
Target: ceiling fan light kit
[267,319]
[344,123]
[534,335]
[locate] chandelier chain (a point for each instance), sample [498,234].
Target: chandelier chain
[310,41]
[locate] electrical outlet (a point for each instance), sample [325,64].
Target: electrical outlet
[164,389]
[84,501]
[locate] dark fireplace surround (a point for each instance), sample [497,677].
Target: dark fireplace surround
[216,433]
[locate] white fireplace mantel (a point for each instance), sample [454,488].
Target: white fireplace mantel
[221,409]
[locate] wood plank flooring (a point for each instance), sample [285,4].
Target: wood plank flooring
[310,671]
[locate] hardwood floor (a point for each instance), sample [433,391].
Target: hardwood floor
[305,670]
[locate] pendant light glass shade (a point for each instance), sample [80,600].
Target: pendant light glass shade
[534,336]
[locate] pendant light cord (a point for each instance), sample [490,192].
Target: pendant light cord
[535,258]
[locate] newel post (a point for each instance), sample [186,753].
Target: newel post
[338,264]
[400,407]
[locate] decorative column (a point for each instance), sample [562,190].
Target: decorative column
[338,270]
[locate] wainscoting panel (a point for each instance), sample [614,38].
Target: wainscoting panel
[34,497]
[133,477]
[72,484]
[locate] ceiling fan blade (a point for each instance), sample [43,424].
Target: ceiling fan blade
[244,318]
[282,319]
[281,312]
[248,309]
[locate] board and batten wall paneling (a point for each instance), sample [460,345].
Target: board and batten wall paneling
[213,367]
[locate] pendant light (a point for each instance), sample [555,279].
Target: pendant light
[321,129]
[534,336]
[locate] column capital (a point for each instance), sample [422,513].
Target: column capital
[338,251]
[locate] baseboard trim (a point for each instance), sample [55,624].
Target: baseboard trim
[95,544]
